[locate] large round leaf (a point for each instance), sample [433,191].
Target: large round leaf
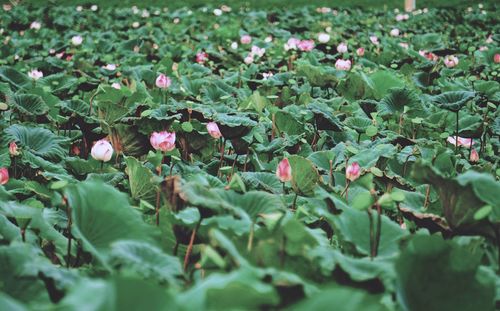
[28,104]
[305,176]
[453,100]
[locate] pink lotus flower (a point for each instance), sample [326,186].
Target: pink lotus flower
[353,171]
[305,45]
[245,39]
[496,58]
[474,156]
[77,40]
[483,48]
[360,51]
[291,44]
[4,175]
[267,75]
[465,142]
[35,25]
[116,85]
[213,130]
[429,55]
[163,82]
[284,171]
[201,57]
[374,40]
[35,74]
[342,48]
[163,141]
[394,32]
[257,51]
[13,150]
[404,45]
[450,61]
[341,64]
[102,150]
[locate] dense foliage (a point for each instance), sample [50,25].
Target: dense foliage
[240,159]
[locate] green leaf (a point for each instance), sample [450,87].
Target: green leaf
[305,177]
[28,104]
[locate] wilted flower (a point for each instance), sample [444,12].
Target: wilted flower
[360,51]
[323,37]
[474,156]
[36,25]
[374,40]
[4,175]
[284,171]
[201,57]
[77,40]
[163,141]
[245,39]
[342,48]
[102,150]
[465,142]
[353,171]
[35,74]
[110,67]
[450,61]
[341,64]
[394,32]
[213,130]
[305,45]
[13,150]
[163,82]
[496,58]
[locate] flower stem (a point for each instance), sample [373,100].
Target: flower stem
[456,135]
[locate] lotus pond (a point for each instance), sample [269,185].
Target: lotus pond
[223,158]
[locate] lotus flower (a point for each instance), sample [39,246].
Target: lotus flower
[496,58]
[450,61]
[234,45]
[323,37]
[305,45]
[35,74]
[284,171]
[213,130]
[13,149]
[163,82]
[394,32]
[116,85]
[163,141]
[249,59]
[374,40]
[360,51]
[217,12]
[474,156]
[342,48]
[465,142]
[35,25]
[257,51]
[267,75]
[4,175]
[102,150]
[291,44]
[353,171]
[245,39]
[341,64]
[110,67]
[201,57]
[77,40]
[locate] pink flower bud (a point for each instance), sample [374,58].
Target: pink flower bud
[201,57]
[163,141]
[4,175]
[360,51]
[451,61]
[353,171]
[341,64]
[394,32]
[163,82]
[474,156]
[13,150]
[76,40]
[245,39]
[306,45]
[213,130]
[102,150]
[284,171]
[35,74]
[249,59]
[496,58]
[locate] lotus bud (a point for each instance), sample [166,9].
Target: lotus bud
[163,82]
[4,175]
[284,171]
[213,130]
[163,141]
[353,171]
[102,150]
